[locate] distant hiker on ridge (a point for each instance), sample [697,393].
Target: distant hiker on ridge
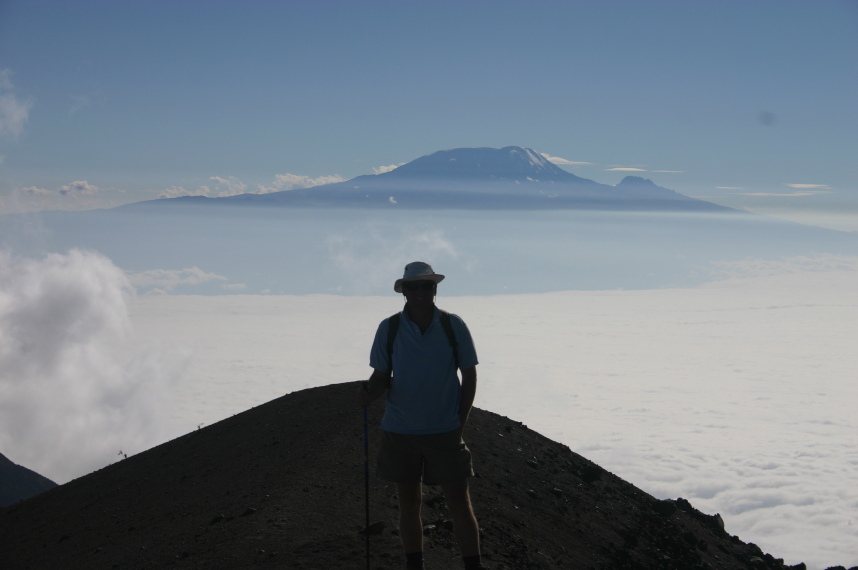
[415,358]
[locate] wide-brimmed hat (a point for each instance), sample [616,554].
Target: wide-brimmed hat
[417,271]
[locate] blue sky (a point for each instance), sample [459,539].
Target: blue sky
[748,104]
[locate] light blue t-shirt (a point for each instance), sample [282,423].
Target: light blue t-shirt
[424,393]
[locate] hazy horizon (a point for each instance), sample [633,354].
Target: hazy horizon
[744,104]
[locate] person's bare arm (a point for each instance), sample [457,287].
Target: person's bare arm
[469,390]
[371,390]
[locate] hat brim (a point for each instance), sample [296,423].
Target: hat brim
[435,277]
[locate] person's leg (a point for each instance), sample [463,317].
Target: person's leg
[465,525]
[410,523]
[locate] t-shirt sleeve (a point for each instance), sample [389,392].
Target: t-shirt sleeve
[467,350]
[379,359]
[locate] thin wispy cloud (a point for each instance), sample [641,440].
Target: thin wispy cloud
[14,111]
[624,169]
[161,281]
[563,161]
[811,186]
[373,245]
[801,190]
[796,194]
[81,102]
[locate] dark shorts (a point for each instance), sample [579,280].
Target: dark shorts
[434,459]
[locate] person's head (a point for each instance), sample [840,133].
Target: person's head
[418,276]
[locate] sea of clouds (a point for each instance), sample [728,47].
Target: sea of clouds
[738,395]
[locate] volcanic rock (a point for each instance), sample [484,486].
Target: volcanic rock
[282,486]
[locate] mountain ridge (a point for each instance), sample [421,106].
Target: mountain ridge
[282,484]
[18,482]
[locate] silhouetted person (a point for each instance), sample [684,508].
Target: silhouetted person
[426,410]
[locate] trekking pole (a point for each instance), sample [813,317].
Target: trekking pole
[366,472]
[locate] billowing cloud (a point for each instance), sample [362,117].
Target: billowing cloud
[220,188]
[563,161]
[36,191]
[158,281]
[295,181]
[231,186]
[178,191]
[388,168]
[14,112]
[78,188]
[77,195]
[75,387]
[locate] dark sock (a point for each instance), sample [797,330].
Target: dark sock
[414,560]
[472,562]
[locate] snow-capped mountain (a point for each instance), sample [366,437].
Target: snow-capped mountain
[509,178]
[511,163]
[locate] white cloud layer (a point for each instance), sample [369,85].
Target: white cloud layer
[754,267]
[75,386]
[738,396]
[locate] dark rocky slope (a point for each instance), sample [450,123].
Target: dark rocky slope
[282,486]
[18,483]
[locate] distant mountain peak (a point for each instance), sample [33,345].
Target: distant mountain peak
[636,180]
[508,163]
[510,178]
